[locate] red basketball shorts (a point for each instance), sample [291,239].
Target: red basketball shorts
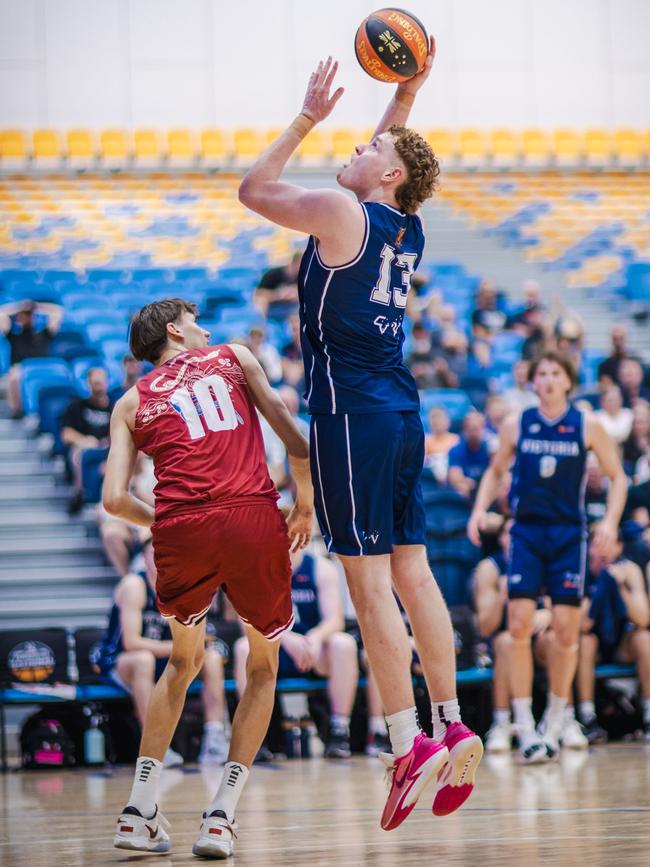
[243,549]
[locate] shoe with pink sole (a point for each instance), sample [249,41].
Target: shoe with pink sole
[456,780]
[409,776]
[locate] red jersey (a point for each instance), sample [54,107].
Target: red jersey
[196,420]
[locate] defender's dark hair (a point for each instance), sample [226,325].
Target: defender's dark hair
[560,358]
[148,336]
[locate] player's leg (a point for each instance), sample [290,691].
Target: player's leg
[636,648]
[214,745]
[339,663]
[136,669]
[141,826]
[249,727]
[562,663]
[389,652]
[499,737]
[585,688]
[14,398]
[118,539]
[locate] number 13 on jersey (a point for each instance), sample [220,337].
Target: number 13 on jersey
[383,291]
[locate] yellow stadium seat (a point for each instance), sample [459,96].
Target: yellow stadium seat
[80,147]
[215,148]
[181,146]
[146,147]
[598,147]
[367,134]
[13,147]
[567,147]
[46,146]
[535,147]
[628,145]
[248,144]
[504,147]
[471,146]
[314,149]
[114,147]
[442,143]
[344,142]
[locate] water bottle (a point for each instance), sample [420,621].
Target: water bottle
[94,743]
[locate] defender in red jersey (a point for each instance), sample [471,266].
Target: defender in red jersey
[216,524]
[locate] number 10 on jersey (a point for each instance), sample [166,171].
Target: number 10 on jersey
[209,397]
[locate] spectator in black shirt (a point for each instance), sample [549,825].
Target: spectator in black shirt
[278,289]
[26,341]
[608,369]
[85,425]
[487,319]
[291,355]
[630,375]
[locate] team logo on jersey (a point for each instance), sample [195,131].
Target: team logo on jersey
[383,324]
[564,429]
[399,237]
[162,383]
[515,579]
[371,537]
[535,428]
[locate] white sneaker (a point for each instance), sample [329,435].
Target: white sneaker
[573,737]
[216,837]
[532,749]
[499,738]
[214,748]
[143,835]
[172,759]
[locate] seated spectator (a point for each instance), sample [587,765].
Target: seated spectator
[277,292]
[85,425]
[291,356]
[317,646]
[132,371]
[614,417]
[569,337]
[121,539]
[469,458]
[608,369]
[26,341]
[596,490]
[267,355]
[451,343]
[487,319]
[521,396]
[276,452]
[636,448]
[134,653]
[426,363]
[496,409]
[630,374]
[614,629]
[533,327]
[438,443]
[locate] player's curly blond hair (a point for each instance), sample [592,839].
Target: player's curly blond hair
[421,166]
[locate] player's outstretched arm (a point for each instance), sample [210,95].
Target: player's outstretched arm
[122,456]
[399,108]
[323,213]
[278,416]
[606,531]
[493,477]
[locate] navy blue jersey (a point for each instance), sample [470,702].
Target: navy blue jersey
[548,478]
[154,627]
[304,595]
[351,319]
[499,560]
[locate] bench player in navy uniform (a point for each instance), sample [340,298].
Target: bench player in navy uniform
[366,434]
[549,445]
[316,644]
[134,653]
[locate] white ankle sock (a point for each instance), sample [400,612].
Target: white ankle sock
[443,713]
[522,711]
[230,789]
[214,726]
[145,786]
[569,714]
[555,713]
[403,728]
[587,711]
[501,716]
[377,725]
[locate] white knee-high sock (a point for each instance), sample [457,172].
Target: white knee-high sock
[403,728]
[145,786]
[230,789]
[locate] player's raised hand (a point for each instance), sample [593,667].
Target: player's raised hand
[416,82]
[299,525]
[318,103]
[475,525]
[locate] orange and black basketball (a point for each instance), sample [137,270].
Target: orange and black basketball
[391,45]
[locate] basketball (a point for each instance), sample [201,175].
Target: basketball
[391,45]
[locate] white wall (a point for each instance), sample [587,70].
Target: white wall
[196,63]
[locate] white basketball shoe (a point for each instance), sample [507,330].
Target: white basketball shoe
[142,835]
[217,836]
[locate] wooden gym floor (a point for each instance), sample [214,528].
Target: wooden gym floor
[589,809]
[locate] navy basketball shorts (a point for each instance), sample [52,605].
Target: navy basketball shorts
[366,473]
[547,558]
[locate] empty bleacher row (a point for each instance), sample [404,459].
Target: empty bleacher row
[212,148]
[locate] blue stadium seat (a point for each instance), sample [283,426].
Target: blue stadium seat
[5,354]
[53,401]
[115,350]
[454,401]
[99,332]
[38,373]
[91,475]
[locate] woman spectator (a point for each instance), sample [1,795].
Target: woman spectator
[438,443]
[636,448]
[614,417]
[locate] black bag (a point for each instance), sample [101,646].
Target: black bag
[44,743]
[618,714]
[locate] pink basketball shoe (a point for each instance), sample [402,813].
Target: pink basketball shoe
[456,779]
[409,775]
